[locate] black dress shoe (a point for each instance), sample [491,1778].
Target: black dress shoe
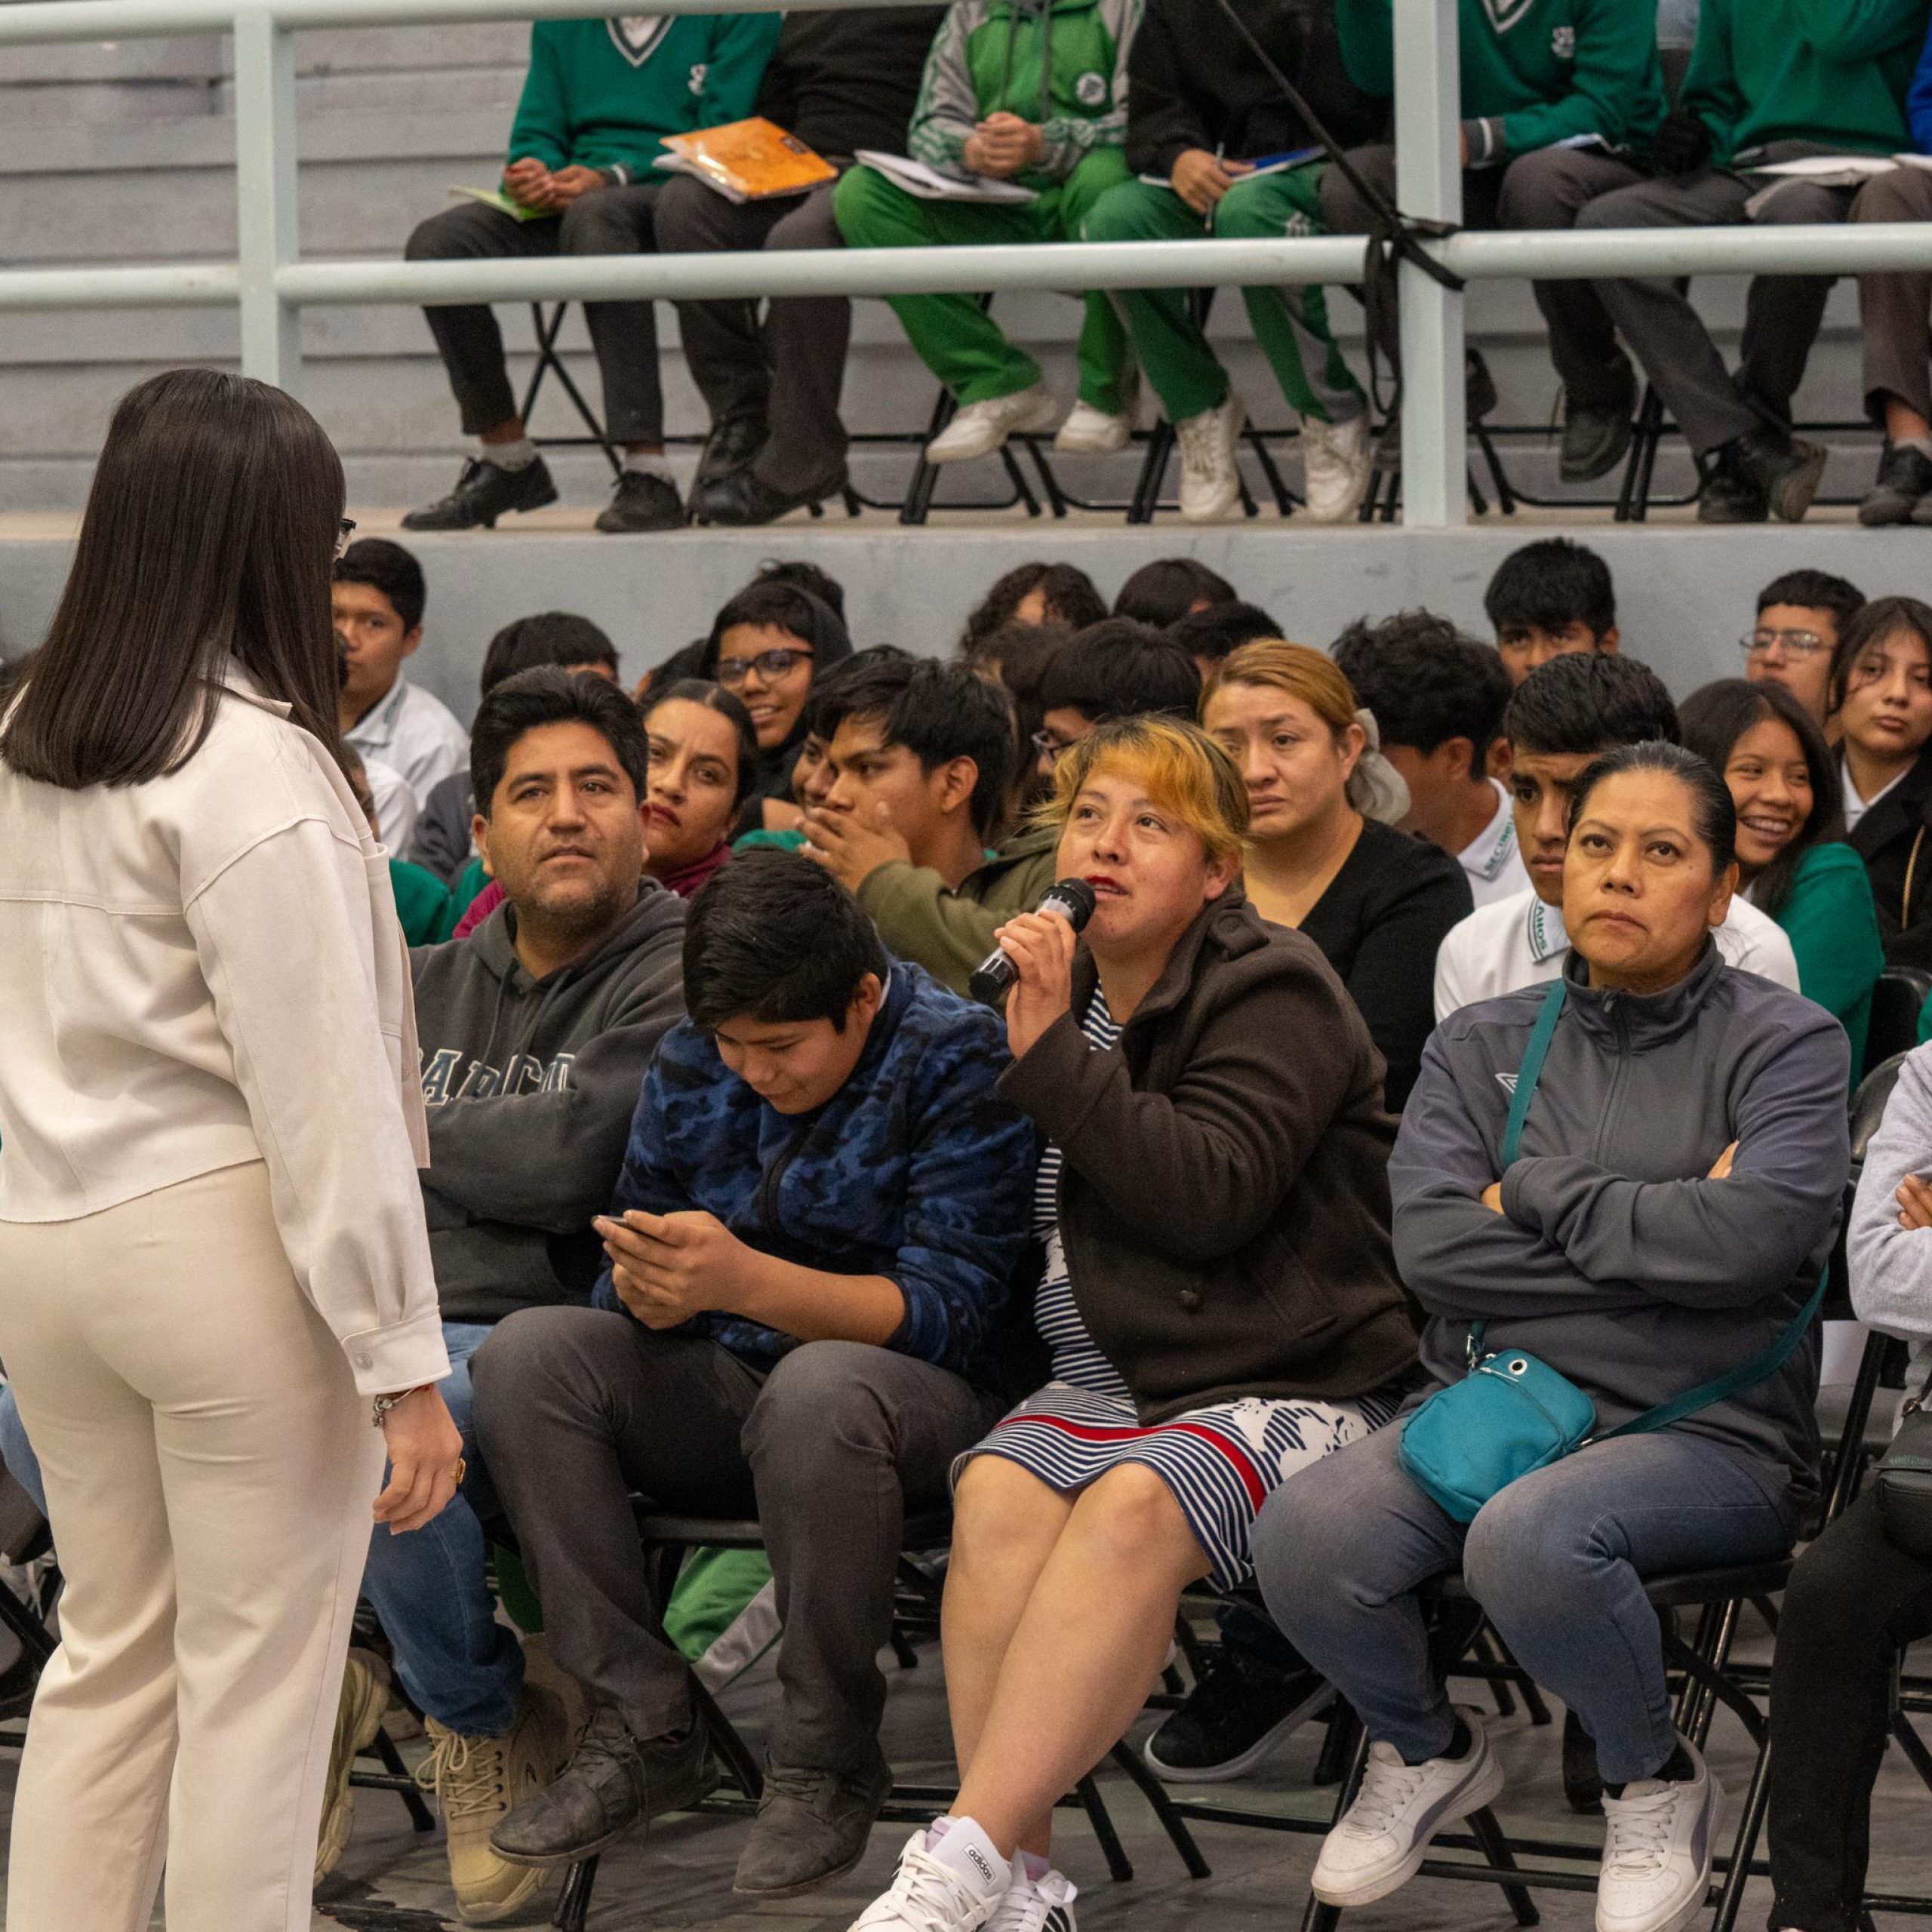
[731,445]
[1596,435]
[642,501]
[745,497]
[1905,480]
[483,492]
[1762,473]
[614,1782]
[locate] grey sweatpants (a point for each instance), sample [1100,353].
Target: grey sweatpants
[576,1408]
[1894,309]
[1781,317]
[790,370]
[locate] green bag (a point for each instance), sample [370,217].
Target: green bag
[1511,1413]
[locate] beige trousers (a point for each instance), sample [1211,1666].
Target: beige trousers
[209,1470]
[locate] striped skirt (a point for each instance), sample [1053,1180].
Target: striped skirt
[1221,1462]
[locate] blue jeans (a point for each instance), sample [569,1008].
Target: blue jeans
[1556,1560]
[428,1588]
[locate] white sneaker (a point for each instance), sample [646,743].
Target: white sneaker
[1091,432]
[1210,483]
[954,1883]
[1335,466]
[1381,1843]
[980,428]
[1044,1904]
[1656,1853]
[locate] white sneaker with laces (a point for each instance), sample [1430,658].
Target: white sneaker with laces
[1210,483]
[1044,1904]
[1382,1841]
[980,428]
[1656,1853]
[1091,432]
[953,1883]
[1335,467]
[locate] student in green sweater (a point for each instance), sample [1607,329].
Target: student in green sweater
[1792,859]
[1769,81]
[1033,92]
[1559,98]
[600,96]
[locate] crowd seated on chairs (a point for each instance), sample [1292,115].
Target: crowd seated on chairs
[741,1097]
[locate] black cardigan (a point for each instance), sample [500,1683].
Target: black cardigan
[1894,838]
[1192,82]
[1379,924]
[848,80]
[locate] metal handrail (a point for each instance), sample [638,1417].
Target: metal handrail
[270,284]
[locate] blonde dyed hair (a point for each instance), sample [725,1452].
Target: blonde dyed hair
[1176,763]
[1312,675]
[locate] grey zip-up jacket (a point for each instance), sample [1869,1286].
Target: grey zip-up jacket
[1615,1260]
[531,1085]
[1891,1266]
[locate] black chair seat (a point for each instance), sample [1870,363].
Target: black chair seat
[925,1529]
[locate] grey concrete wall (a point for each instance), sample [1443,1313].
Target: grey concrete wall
[1686,595]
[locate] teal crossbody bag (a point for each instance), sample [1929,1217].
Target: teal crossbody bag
[1511,1413]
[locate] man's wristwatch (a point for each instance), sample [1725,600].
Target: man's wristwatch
[383,1404]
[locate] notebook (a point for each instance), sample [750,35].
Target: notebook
[746,161]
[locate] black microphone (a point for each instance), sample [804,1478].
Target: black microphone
[1068,899]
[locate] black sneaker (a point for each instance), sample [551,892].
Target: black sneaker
[612,1783]
[1596,436]
[812,1826]
[483,492]
[731,446]
[745,497]
[1762,473]
[642,501]
[1241,1708]
[1904,477]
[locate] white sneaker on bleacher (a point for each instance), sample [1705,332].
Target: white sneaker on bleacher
[980,428]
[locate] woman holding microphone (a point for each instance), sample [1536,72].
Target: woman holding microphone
[214,1270]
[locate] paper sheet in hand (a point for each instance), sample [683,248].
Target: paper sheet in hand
[930,185]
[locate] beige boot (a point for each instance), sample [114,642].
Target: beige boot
[358,1716]
[478,1780]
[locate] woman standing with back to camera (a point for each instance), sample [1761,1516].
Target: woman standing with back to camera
[213,1260]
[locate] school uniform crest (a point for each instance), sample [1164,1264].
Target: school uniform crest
[1504,14]
[638,36]
[1090,89]
[1563,43]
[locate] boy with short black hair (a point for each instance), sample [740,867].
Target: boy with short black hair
[377,603]
[1801,615]
[1551,597]
[1167,590]
[1564,716]
[1438,697]
[821,1213]
[1209,634]
[1115,668]
[919,755]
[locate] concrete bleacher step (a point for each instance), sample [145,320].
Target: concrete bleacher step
[121,153]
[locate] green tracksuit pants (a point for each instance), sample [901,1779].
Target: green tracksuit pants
[959,342]
[1290,324]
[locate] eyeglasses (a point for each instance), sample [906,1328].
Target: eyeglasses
[1050,744]
[1797,643]
[344,531]
[769,665]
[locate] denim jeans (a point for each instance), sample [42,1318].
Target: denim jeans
[428,1587]
[1556,1559]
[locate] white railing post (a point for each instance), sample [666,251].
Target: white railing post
[1429,185]
[265,190]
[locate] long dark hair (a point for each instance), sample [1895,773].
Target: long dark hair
[1876,621]
[210,531]
[1712,721]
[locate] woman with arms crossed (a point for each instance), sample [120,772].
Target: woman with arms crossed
[213,1261]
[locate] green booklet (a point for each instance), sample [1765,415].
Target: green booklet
[495,198]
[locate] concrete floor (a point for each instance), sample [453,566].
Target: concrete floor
[391,1880]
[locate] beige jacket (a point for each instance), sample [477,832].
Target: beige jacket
[206,970]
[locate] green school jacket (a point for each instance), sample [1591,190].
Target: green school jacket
[1062,66]
[1834,72]
[602,93]
[1833,927]
[1534,72]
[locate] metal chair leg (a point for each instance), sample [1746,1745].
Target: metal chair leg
[421,1816]
[1172,1822]
[573,1904]
[1488,1834]
[1120,1867]
[1750,1827]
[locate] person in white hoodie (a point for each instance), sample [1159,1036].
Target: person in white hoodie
[1855,1599]
[214,1273]
[1564,714]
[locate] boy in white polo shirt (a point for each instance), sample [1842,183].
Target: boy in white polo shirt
[1570,711]
[377,603]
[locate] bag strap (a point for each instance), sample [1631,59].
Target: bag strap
[1725,1386]
[1527,1074]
